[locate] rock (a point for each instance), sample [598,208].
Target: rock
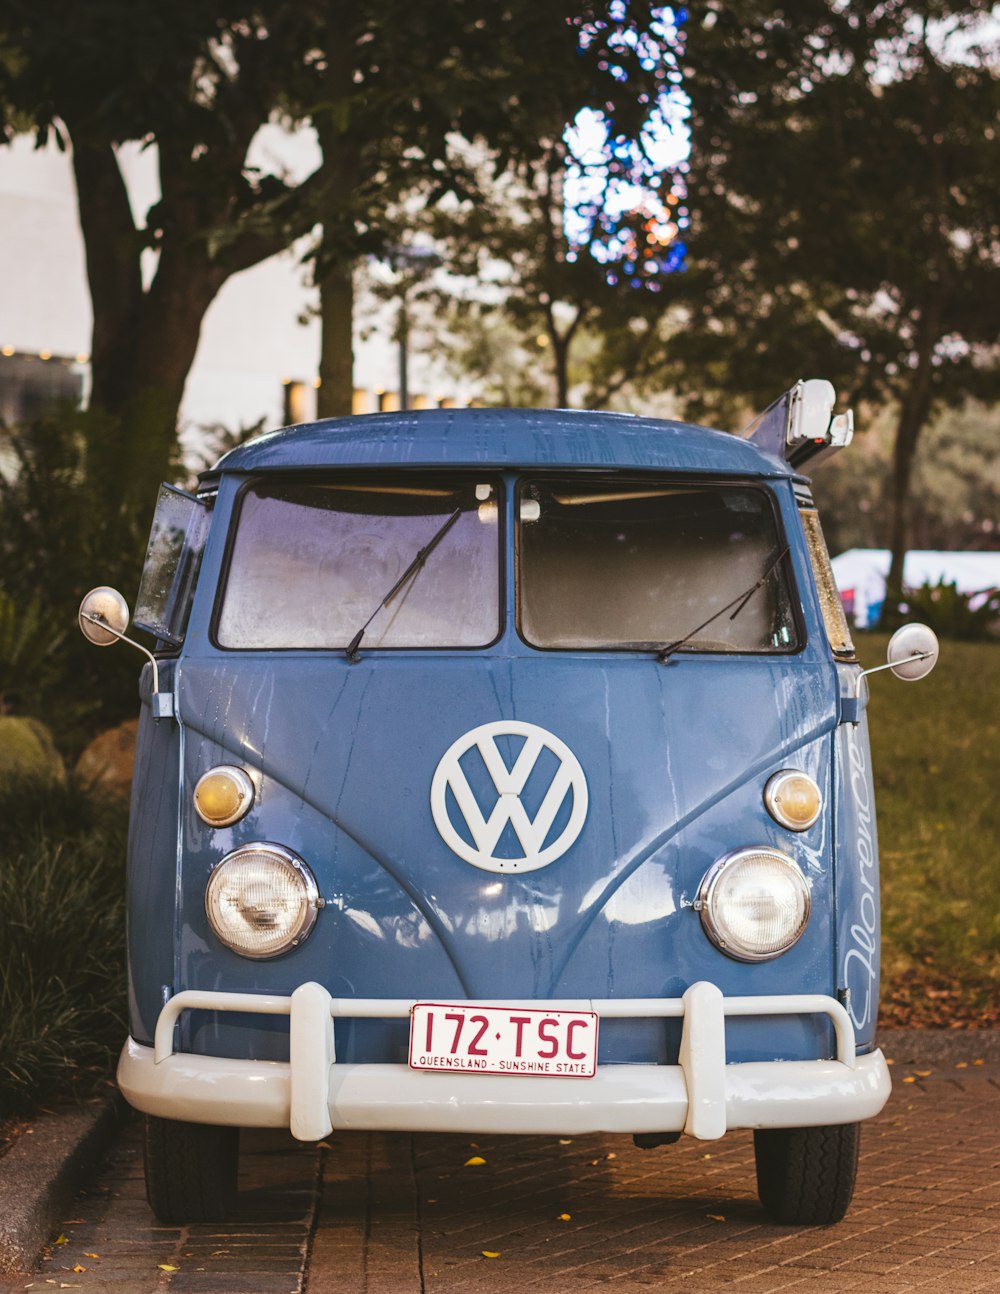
[27,750]
[107,761]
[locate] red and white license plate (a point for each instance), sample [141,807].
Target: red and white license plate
[503,1040]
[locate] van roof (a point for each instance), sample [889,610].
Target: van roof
[502,437]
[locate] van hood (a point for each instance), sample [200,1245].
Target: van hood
[503,826]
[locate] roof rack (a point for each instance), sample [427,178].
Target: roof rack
[800,426]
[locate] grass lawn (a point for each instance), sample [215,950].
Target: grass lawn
[936,756]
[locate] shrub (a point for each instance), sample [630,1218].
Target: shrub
[959,616]
[62,941]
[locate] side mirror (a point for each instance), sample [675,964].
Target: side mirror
[912,652]
[103,618]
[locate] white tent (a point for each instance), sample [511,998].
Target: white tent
[861,574]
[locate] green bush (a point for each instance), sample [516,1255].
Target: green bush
[62,941]
[951,615]
[60,535]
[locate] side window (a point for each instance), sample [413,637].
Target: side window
[173,556]
[837,629]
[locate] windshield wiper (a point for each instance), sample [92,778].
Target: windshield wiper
[739,602]
[351,651]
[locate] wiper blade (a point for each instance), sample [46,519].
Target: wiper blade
[739,602]
[351,650]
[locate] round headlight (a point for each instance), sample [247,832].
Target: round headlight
[754,903]
[793,799]
[261,900]
[223,795]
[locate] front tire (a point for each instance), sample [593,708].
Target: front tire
[190,1170]
[805,1176]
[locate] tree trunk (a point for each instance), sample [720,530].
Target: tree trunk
[912,419]
[112,248]
[336,360]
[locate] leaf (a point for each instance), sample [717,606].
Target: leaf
[166,1267]
[61,1239]
[476,1159]
[565,1141]
[564,1217]
[962,1064]
[79,1268]
[923,1073]
[909,1079]
[491,1253]
[86,1255]
[716,1217]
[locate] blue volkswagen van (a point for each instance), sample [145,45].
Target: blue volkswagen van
[503,771]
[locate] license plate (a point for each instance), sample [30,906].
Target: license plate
[503,1040]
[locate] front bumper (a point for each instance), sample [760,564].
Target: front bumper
[312,1094]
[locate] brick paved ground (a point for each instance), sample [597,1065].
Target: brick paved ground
[400,1215]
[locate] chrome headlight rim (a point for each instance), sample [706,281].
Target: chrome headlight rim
[707,892]
[775,784]
[312,899]
[246,789]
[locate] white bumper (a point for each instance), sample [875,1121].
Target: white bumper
[312,1094]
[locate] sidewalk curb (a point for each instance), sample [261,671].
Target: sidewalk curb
[43,1170]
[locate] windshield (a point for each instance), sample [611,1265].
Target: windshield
[311,563]
[642,564]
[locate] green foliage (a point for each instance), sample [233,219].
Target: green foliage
[950,614]
[62,942]
[934,760]
[955,499]
[60,535]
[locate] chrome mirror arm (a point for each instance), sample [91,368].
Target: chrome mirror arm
[893,664]
[163,705]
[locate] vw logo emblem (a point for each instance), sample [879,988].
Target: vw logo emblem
[509,783]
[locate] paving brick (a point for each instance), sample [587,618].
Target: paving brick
[395,1214]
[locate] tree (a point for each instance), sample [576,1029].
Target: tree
[844,214]
[517,279]
[397,85]
[197,81]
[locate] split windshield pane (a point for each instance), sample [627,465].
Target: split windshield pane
[312,561]
[641,564]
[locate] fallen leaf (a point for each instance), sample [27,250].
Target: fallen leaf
[909,1079]
[476,1159]
[979,1062]
[491,1253]
[74,1222]
[611,1156]
[432,1201]
[565,1141]
[706,1156]
[923,1073]
[564,1217]
[323,1145]
[889,1060]
[716,1217]
[79,1268]
[166,1267]
[86,1255]
[474,1145]
[962,1064]
[61,1239]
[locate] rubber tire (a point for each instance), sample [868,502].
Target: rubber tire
[805,1176]
[190,1170]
